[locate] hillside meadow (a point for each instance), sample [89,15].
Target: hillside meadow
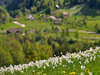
[52,49]
[81,63]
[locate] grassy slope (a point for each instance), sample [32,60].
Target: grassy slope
[78,11]
[78,63]
[8,25]
[36,24]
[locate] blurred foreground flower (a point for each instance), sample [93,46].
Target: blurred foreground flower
[63,71]
[72,73]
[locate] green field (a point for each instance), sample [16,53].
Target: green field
[8,25]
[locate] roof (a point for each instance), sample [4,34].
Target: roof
[15,30]
[52,17]
[58,19]
[57,6]
[65,13]
[30,16]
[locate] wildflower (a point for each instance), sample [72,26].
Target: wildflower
[45,74]
[86,61]
[87,69]
[90,73]
[80,62]
[72,73]
[21,71]
[74,55]
[44,67]
[54,55]
[82,73]
[63,71]
[33,70]
[42,71]
[53,67]
[82,67]
[38,72]
[61,53]
[40,66]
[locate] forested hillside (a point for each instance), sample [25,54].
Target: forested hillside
[4,16]
[21,6]
[15,7]
[51,3]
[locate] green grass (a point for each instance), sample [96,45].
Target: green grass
[39,24]
[72,35]
[78,63]
[36,24]
[9,25]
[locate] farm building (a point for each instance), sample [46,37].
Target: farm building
[30,16]
[52,17]
[57,6]
[15,30]
[65,14]
[58,21]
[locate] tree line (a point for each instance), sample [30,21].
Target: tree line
[91,3]
[4,16]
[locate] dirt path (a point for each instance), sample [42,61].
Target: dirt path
[85,32]
[22,25]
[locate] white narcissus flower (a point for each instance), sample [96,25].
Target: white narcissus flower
[81,73]
[88,54]
[82,67]
[90,73]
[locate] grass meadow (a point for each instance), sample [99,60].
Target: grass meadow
[82,63]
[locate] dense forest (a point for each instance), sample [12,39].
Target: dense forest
[42,4]
[23,7]
[17,6]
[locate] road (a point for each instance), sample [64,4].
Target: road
[85,32]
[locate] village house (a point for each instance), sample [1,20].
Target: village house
[57,6]
[65,14]
[15,30]
[30,16]
[58,21]
[52,17]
